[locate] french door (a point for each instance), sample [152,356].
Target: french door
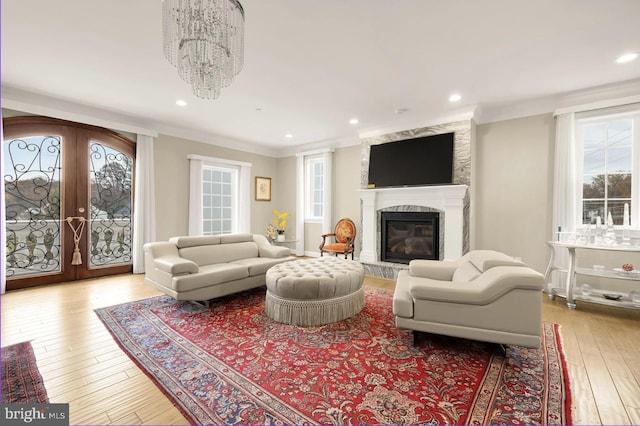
[68,201]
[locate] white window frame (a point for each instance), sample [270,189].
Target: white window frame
[241,215]
[310,163]
[234,172]
[596,117]
[302,193]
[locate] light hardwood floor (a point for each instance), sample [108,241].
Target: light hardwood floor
[83,366]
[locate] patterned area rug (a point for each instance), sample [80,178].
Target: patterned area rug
[21,380]
[230,364]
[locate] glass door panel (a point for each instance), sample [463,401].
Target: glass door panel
[111,199]
[31,168]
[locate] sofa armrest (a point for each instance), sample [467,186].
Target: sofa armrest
[483,290]
[265,249]
[175,265]
[166,258]
[434,269]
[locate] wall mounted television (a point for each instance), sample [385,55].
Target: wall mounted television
[426,160]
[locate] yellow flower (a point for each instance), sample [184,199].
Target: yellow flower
[281,221]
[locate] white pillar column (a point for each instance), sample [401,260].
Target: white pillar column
[369,226]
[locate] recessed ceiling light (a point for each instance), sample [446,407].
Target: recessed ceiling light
[627,57]
[180,102]
[401,110]
[288,136]
[353,121]
[454,98]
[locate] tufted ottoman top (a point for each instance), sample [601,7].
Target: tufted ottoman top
[315,279]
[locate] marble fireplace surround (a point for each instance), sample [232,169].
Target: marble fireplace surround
[451,201]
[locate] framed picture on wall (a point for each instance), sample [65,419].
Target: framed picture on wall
[263,188]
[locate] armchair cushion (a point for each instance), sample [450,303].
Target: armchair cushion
[487,259]
[433,269]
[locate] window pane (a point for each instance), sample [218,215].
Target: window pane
[619,133]
[216,214]
[206,225]
[591,210]
[217,176]
[594,161]
[226,177]
[226,189]
[593,187]
[206,175]
[594,135]
[619,186]
[206,188]
[619,160]
[226,201]
[616,208]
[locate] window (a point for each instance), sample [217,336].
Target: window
[607,171]
[314,185]
[219,201]
[219,196]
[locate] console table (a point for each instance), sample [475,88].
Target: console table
[596,295]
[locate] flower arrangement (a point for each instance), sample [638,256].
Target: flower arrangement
[280,222]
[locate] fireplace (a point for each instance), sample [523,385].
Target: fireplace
[409,235]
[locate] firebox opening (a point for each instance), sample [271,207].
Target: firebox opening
[409,235]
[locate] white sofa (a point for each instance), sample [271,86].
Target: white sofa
[204,267]
[485,295]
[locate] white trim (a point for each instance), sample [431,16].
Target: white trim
[215,160]
[56,108]
[195,196]
[314,152]
[327,207]
[607,103]
[195,191]
[300,205]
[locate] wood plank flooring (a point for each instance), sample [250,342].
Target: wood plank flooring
[82,365]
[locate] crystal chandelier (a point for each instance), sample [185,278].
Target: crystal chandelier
[204,39]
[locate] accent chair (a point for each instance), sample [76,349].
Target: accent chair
[343,238]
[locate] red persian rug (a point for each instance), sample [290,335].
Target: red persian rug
[21,379]
[230,364]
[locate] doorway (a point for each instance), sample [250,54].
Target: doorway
[69,201]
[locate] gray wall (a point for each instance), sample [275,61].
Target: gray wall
[172,183]
[514,187]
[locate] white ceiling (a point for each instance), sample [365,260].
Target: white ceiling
[310,66]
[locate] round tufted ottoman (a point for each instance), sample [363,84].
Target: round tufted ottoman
[314,291]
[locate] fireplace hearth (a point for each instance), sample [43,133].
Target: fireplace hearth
[409,235]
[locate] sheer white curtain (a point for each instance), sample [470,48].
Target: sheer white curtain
[565,186]
[144,215]
[3,245]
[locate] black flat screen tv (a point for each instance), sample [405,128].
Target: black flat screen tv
[426,160]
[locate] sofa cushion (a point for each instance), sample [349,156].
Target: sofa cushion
[220,253]
[257,265]
[194,241]
[235,238]
[210,275]
[487,259]
[465,272]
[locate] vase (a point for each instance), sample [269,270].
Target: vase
[280,237]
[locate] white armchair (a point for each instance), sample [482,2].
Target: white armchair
[485,295]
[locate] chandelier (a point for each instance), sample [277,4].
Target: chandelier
[204,40]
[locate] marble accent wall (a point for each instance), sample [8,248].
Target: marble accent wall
[462,147]
[461,164]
